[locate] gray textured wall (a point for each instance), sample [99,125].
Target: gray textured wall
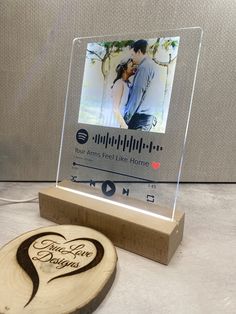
[35,45]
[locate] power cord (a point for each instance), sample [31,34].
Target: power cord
[7,200]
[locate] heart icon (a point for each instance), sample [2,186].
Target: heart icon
[48,256]
[155,165]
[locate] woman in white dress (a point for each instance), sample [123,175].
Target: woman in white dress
[120,90]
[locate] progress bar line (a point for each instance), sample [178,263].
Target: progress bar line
[122,174]
[98,181]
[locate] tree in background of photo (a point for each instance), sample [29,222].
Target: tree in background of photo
[168,45]
[104,55]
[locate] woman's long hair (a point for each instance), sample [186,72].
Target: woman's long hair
[121,67]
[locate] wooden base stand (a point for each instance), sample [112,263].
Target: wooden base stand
[151,237]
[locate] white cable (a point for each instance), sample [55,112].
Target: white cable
[18,201]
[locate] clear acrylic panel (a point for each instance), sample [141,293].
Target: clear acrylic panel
[126,118]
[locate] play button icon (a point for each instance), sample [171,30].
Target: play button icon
[108,188]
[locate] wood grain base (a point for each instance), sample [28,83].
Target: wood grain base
[59,269]
[151,237]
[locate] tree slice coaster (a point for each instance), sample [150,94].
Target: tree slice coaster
[55,270]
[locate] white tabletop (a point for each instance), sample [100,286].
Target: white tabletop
[200,278]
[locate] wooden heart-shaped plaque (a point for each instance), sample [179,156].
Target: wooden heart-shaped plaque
[55,270]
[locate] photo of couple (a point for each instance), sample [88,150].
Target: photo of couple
[127,84]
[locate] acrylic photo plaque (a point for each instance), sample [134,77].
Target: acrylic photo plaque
[126,117]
